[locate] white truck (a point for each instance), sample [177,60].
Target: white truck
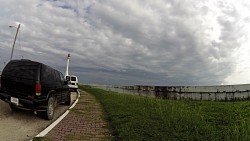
[73,82]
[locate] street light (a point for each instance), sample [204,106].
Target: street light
[14,40]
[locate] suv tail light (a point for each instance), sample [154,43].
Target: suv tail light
[38,89]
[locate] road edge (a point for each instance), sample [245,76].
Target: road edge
[51,126]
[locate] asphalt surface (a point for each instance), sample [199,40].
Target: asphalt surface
[24,125]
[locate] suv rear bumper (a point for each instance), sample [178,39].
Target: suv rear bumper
[26,104]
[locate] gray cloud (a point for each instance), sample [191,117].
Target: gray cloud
[128,42]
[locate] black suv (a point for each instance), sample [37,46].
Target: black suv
[34,86]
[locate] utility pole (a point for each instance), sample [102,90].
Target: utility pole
[14,41]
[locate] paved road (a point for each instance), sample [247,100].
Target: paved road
[24,125]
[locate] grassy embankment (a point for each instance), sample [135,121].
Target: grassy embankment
[141,118]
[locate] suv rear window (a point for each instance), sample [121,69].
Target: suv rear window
[22,69]
[49,74]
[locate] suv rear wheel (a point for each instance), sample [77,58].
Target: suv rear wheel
[49,113]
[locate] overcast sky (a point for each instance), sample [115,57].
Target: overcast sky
[162,42]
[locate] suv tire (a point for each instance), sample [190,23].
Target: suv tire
[49,113]
[68,102]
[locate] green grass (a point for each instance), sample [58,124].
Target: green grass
[133,117]
[41,139]
[71,137]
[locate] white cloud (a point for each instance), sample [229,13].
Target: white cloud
[129,42]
